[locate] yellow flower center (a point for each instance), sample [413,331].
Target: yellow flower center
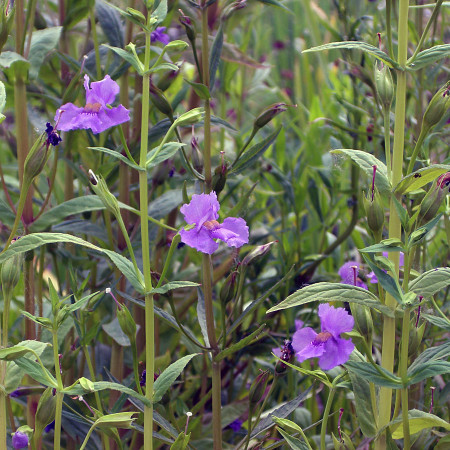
[92,107]
[211,224]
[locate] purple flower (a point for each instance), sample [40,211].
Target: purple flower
[160,35]
[236,425]
[328,346]
[279,351]
[202,212]
[20,440]
[347,274]
[53,137]
[97,114]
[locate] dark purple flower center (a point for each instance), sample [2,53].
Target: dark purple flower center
[211,225]
[321,338]
[92,107]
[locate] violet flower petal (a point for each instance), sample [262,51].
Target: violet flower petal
[277,352]
[336,352]
[233,231]
[200,239]
[302,342]
[20,440]
[68,117]
[335,320]
[202,208]
[298,324]
[346,272]
[103,92]
[106,118]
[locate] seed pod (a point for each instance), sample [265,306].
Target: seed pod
[228,289]
[415,339]
[363,320]
[100,187]
[10,273]
[7,22]
[127,323]
[437,107]
[265,117]
[219,178]
[160,101]
[36,158]
[433,199]
[257,388]
[374,211]
[45,412]
[384,84]
[188,26]
[257,253]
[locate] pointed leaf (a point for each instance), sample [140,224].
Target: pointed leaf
[420,178]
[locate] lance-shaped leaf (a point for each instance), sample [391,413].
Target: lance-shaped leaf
[420,178]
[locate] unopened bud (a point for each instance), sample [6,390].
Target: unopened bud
[415,339]
[7,22]
[100,187]
[45,412]
[384,84]
[160,101]
[287,354]
[433,199]
[219,178]
[363,320]
[265,117]
[197,156]
[10,274]
[373,205]
[258,388]
[188,26]
[127,323]
[228,289]
[257,253]
[229,10]
[437,107]
[190,117]
[36,158]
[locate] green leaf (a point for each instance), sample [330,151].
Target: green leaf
[287,424]
[437,321]
[200,89]
[111,23]
[363,402]
[294,443]
[243,342]
[160,12]
[113,330]
[42,42]
[167,151]
[436,353]
[281,412]
[128,57]
[216,50]
[388,283]
[386,245]
[356,45]
[369,373]
[429,283]
[254,153]
[116,420]
[427,370]
[14,64]
[80,303]
[418,421]
[430,56]
[417,236]
[12,353]
[35,240]
[117,155]
[173,285]
[163,66]
[181,442]
[420,178]
[77,389]
[37,372]
[366,161]
[275,3]
[166,379]
[326,292]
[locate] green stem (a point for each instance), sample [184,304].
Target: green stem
[149,305]
[403,374]
[86,439]
[387,140]
[95,39]
[50,187]
[59,394]
[431,20]
[136,367]
[244,147]
[129,246]
[389,28]
[388,345]
[125,145]
[326,413]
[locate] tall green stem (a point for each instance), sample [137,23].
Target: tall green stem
[207,273]
[149,306]
[59,394]
[388,346]
[326,413]
[403,374]
[95,39]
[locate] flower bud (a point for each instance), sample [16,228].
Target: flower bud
[229,10]
[228,289]
[265,117]
[99,186]
[188,26]
[36,158]
[433,199]
[437,108]
[287,354]
[373,205]
[257,253]
[219,178]
[197,156]
[258,388]
[160,101]
[45,412]
[10,274]
[126,322]
[363,320]
[20,439]
[415,339]
[190,117]
[7,22]
[384,84]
